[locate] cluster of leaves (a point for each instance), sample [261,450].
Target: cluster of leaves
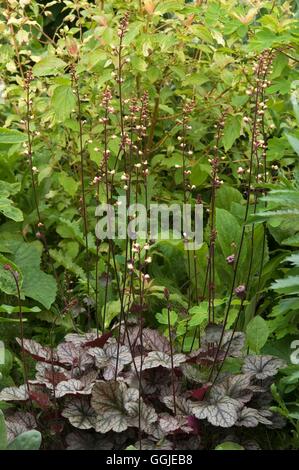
[97,390]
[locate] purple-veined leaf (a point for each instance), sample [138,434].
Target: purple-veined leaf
[76,386]
[109,400]
[89,378]
[79,413]
[37,351]
[50,375]
[206,356]
[152,380]
[183,406]
[262,367]
[80,340]
[147,417]
[154,341]
[110,356]
[68,353]
[222,412]
[159,359]
[250,417]
[235,345]
[14,394]
[19,422]
[213,334]
[170,424]
[71,387]
[234,386]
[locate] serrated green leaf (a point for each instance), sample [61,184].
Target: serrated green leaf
[63,102]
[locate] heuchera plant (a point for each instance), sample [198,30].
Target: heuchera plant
[100,394]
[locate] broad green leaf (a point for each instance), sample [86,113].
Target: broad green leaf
[9,211]
[7,282]
[49,65]
[163,317]
[257,333]
[139,64]
[228,445]
[11,136]
[11,309]
[8,189]
[294,142]
[36,284]
[232,129]
[63,102]
[69,184]
[228,231]
[200,173]
[288,285]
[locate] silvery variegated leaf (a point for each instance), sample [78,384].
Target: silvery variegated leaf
[87,441]
[222,412]
[234,345]
[111,356]
[109,400]
[262,367]
[72,387]
[167,389]
[89,378]
[19,422]
[79,413]
[154,341]
[68,354]
[250,417]
[152,380]
[49,375]
[170,424]
[159,359]
[147,417]
[235,341]
[182,405]
[112,420]
[37,351]
[212,334]
[100,357]
[79,340]
[234,386]
[14,393]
